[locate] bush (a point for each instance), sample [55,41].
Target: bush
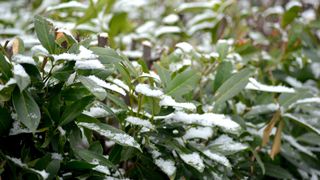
[78,105]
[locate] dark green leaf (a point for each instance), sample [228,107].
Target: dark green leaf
[45,32]
[5,68]
[224,71]
[89,156]
[5,121]
[75,109]
[277,171]
[27,109]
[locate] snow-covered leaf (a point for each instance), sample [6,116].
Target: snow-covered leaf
[112,133]
[255,85]
[21,77]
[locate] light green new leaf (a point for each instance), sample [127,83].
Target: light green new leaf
[182,83]
[293,10]
[93,87]
[27,109]
[112,133]
[232,86]
[45,33]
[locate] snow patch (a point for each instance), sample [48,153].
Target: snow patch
[89,64]
[167,30]
[169,101]
[85,54]
[218,158]
[184,46]
[255,85]
[121,138]
[106,85]
[198,132]
[23,59]
[140,122]
[207,119]
[193,160]
[146,90]
[171,19]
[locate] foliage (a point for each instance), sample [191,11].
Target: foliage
[184,90]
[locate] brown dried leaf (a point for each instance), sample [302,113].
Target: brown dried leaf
[15,46]
[277,141]
[268,129]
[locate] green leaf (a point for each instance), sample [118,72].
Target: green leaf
[93,87]
[6,90]
[119,102]
[259,161]
[75,109]
[119,23]
[45,33]
[183,83]
[107,55]
[112,133]
[277,172]
[92,11]
[79,165]
[90,156]
[27,109]
[5,121]
[64,72]
[75,92]
[163,73]
[302,122]
[222,49]
[232,86]
[5,68]
[124,74]
[53,168]
[223,73]
[291,13]
[286,99]
[21,76]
